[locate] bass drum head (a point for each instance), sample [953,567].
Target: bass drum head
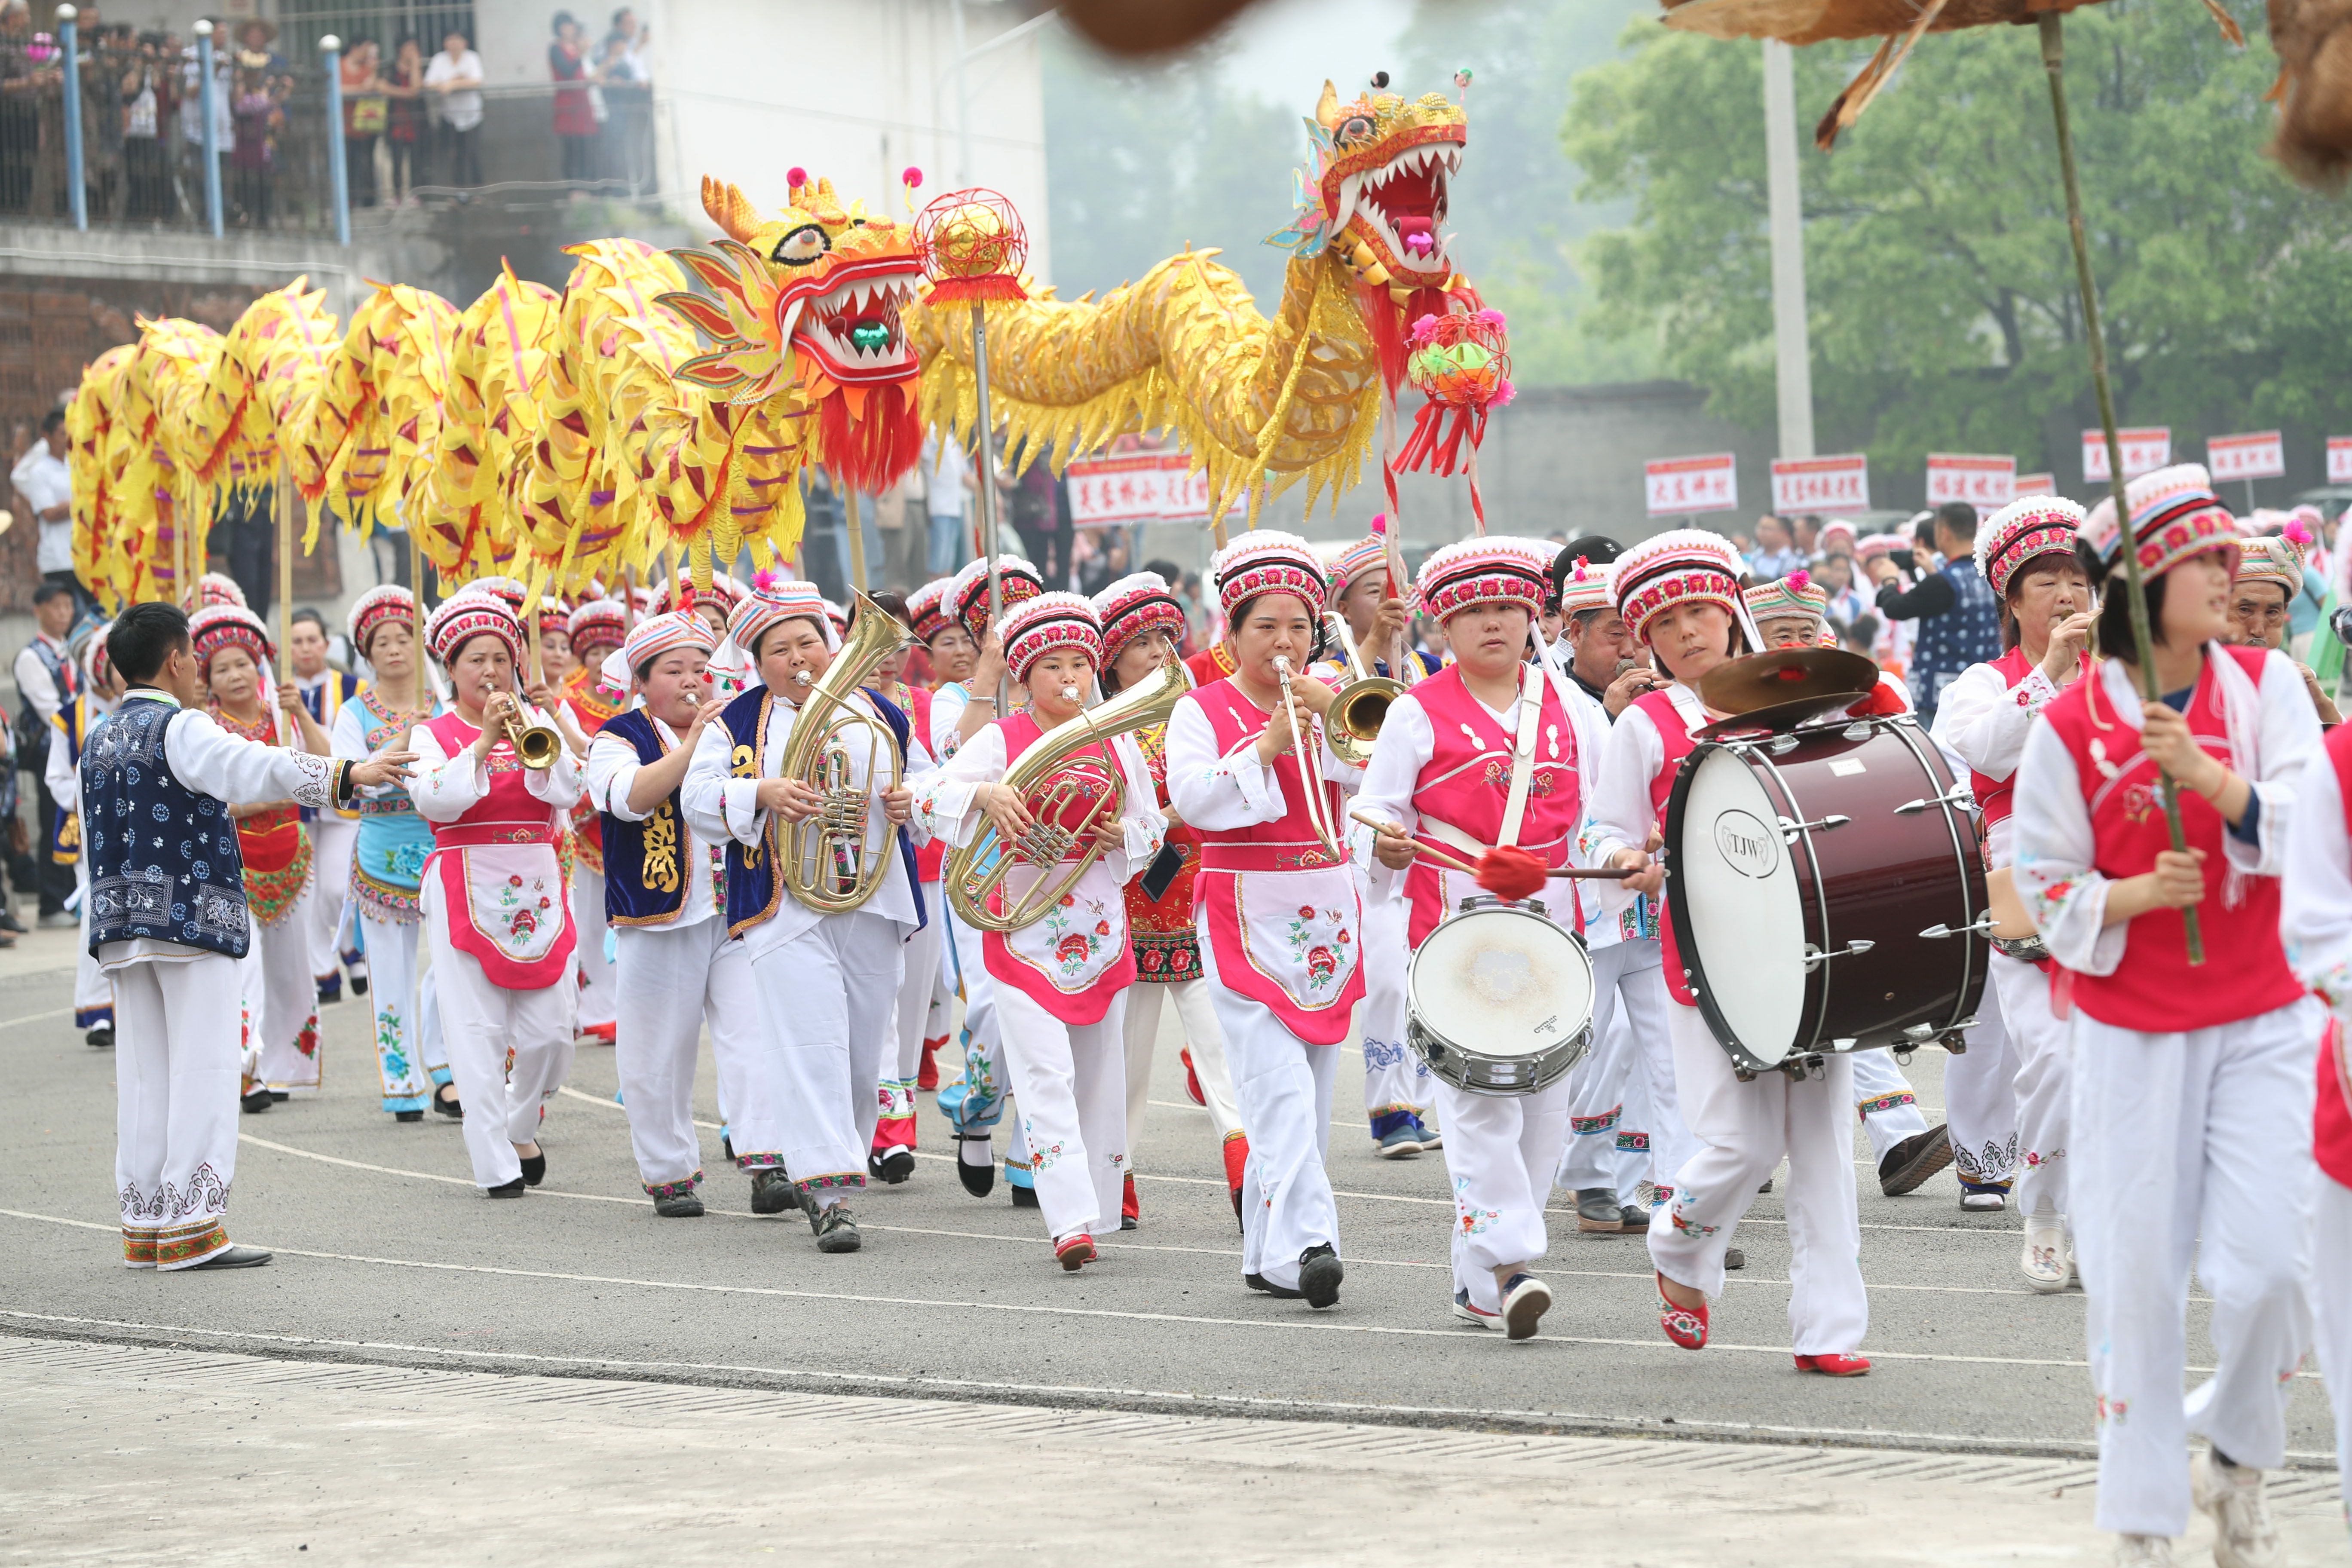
[1503,982]
[1738,895]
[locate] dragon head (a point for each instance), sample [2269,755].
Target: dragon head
[1380,167]
[809,300]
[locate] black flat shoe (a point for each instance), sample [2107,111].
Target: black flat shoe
[10,923]
[1024,1197]
[279,1096]
[895,1167]
[979,1179]
[771,1192]
[1734,1259]
[513,1189]
[408,1116]
[1319,1273]
[232,1258]
[534,1169]
[726,1147]
[256,1102]
[686,1206]
[102,1037]
[1279,1292]
[1126,1222]
[452,1107]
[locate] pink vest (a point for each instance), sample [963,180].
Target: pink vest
[1993,795]
[507,820]
[2331,1126]
[2153,989]
[932,857]
[1068,942]
[1679,743]
[1281,911]
[1466,784]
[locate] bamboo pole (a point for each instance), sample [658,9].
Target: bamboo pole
[285,671]
[857,542]
[2054,62]
[984,459]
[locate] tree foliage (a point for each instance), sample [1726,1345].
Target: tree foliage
[1941,285]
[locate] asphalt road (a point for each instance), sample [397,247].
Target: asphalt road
[386,1252]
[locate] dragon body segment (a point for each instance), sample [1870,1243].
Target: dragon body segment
[467,513]
[367,435]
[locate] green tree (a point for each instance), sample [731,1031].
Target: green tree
[1941,285]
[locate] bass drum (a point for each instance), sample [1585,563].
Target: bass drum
[1825,890]
[1499,999]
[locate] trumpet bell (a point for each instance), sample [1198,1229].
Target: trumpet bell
[1357,710]
[535,746]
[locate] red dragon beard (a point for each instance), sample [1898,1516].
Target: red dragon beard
[872,446]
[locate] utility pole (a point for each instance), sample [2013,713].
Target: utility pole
[1792,353]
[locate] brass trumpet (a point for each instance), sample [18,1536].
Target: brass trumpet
[1306,744]
[975,872]
[535,745]
[1361,703]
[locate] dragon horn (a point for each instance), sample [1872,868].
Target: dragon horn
[1326,108]
[729,208]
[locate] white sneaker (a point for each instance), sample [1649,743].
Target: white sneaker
[2046,1261]
[2143,1552]
[2243,1535]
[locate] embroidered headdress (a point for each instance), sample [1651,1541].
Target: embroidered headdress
[1495,570]
[1585,586]
[967,596]
[926,608]
[1681,566]
[2175,515]
[2025,528]
[377,607]
[654,636]
[771,603]
[469,614]
[1267,561]
[214,588]
[600,623]
[1036,627]
[1795,595]
[218,627]
[1138,603]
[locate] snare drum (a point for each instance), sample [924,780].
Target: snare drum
[1499,1000]
[1826,890]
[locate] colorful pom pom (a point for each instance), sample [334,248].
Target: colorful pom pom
[1801,579]
[1379,523]
[1511,872]
[910,176]
[764,579]
[796,176]
[2296,533]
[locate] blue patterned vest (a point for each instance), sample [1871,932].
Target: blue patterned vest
[1968,633]
[754,887]
[646,872]
[163,860]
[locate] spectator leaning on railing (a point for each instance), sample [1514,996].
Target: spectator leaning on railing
[455,73]
[575,115]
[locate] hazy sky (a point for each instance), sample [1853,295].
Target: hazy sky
[1279,44]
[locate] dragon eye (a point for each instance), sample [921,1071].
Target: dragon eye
[801,246]
[1354,130]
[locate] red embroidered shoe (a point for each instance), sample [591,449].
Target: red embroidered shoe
[1129,1212]
[1236,1159]
[1192,1078]
[927,1077]
[1075,1251]
[1834,1364]
[1687,1326]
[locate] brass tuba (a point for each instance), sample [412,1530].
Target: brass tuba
[1361,704]
[822,857]
[975,872]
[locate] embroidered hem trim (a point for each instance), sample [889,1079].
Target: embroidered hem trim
[183,1246]
[660,1190]
[759,1161]
[137,1248]
[846,1179]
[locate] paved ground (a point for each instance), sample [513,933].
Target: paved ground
[387,1253]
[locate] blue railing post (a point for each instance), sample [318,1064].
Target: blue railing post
[68,45]
[208,104]
[330,51]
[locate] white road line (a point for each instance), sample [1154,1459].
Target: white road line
[37,1017]
[1120,1245]
[1207,1403]
[1325,1325]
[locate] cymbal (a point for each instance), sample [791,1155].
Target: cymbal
[1818,678]
[1779,716]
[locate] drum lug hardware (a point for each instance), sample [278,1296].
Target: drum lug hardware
[1781,743]
[1939,930]
[1790,829]
[1955,1044]
[1854,949]
[1920,1033]
[1857,731]
[1743,1075]
[1959,795]
[1903,1054]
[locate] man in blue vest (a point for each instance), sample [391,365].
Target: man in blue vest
[1959,621]
[168,924]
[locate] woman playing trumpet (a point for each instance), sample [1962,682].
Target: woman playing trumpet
[1280,920]
[494,910]
[1061,981]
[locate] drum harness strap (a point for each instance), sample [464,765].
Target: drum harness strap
[1523,753]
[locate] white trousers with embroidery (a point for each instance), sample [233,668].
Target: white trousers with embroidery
[2328,1269]
[1500,1152]
[93,992]
[175,1094]
[410,1056]
[1282,1086]
[333,840]
[482,1023]
[1744,1131]
[1070,1082]
[826,999]
[599,981]
[669,980]
[2190,1148]
[1980,1098]
[2041,1045]
[919,1012]
[1396,1083]
[1197,1016]
[289,997]
[1882,1097]
[987,1083]
[1629,1078]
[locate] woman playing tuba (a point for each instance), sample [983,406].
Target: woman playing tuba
[1051,809]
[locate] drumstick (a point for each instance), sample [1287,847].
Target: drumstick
[1614,874]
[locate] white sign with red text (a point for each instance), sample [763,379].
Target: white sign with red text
[2259,456]
[1821,484]
[1683,487]
[1148,487]
[1985,483]
[2146,450]
[2033,485]
[2339,459]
